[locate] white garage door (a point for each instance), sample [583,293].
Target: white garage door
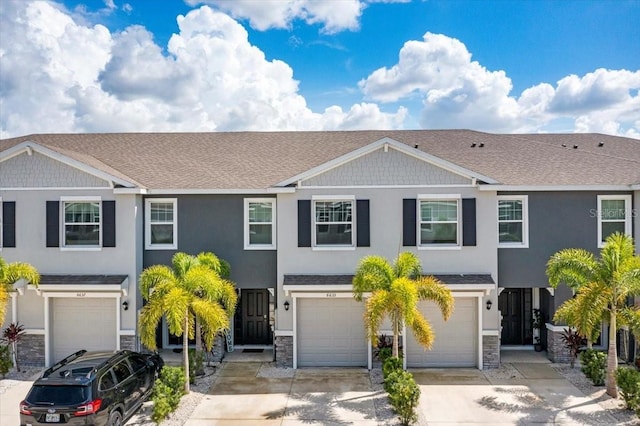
[331,333]
[80,323]
[456,340]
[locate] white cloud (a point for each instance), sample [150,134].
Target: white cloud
[333,16]
[457,92]
[59,75]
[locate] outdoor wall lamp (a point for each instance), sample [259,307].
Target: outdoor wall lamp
[489,304]
[286,305]
[125,305]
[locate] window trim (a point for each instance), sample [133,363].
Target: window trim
[1,224]
[329,198]
[63,223]
[147,224]
[525,221]
[439,197]
[247,235]
[628,216]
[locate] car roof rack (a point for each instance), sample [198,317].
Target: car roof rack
[65,361]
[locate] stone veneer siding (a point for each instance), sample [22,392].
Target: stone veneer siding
[218,349]
[31,350]
[128,342]
[556,349]
[490,352]
[284,351]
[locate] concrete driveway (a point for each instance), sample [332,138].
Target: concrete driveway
[12,392]
[534,394]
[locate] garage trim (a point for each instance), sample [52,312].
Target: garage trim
[319,295]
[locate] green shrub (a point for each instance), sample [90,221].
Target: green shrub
[196,365]
[391,364]
[594,365]
[384,354]
[5,360]
[404,395]
[629,383]
[167,392]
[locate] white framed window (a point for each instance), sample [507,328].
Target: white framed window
[259,223]
[81,222]
[161,223]
[614,215]
[513,221]
[439,221]
[333,222]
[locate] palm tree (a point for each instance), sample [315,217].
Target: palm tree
[602,288]
[395,292]
[191,290]
[10,273]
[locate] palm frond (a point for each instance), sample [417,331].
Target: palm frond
[422,330]
[373,273]
[15,271]
[150,316]
[430,288]
[211,261]
[404,298]
[630,316]
[154,278]
[407,265]
[575,267]
[376,308]
[175,305]
[181,263]
[213,317]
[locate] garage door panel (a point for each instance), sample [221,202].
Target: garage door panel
[331,333]
[456,340]
[82,323]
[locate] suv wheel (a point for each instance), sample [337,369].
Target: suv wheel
[115,419]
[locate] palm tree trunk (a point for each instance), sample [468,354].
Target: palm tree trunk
[612,357]
[396,330]
[185,351]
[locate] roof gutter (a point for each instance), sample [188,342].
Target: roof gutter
[558,187]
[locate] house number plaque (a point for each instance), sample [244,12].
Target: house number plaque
[81,294]
[331,295]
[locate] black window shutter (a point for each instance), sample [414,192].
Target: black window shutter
[362,223]
[468,221]
[108,224]
[9,224]
[304,223]
[409,229]
[53,224]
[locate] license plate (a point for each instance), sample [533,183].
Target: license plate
[52,418]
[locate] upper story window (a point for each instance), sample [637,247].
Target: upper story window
[439,221]
[614,215]
[513,226]
[161,219]
[259,223]
[333,222]
[82,223]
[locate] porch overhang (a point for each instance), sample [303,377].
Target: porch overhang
[83,283]
[342,283]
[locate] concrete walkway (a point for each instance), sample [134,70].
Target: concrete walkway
[531,393]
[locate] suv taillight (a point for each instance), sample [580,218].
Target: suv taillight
[88,408]
[24,408]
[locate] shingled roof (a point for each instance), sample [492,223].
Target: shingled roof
[259,160]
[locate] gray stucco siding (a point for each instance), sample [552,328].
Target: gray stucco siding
[215,223]
[557,220]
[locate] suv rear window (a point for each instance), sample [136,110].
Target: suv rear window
[58,395]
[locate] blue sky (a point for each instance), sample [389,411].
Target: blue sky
[501,66]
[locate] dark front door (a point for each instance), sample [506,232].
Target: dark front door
[255,316]
[510,305]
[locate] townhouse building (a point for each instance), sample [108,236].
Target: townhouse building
[293,213]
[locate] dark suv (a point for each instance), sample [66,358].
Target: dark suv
[91,388]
